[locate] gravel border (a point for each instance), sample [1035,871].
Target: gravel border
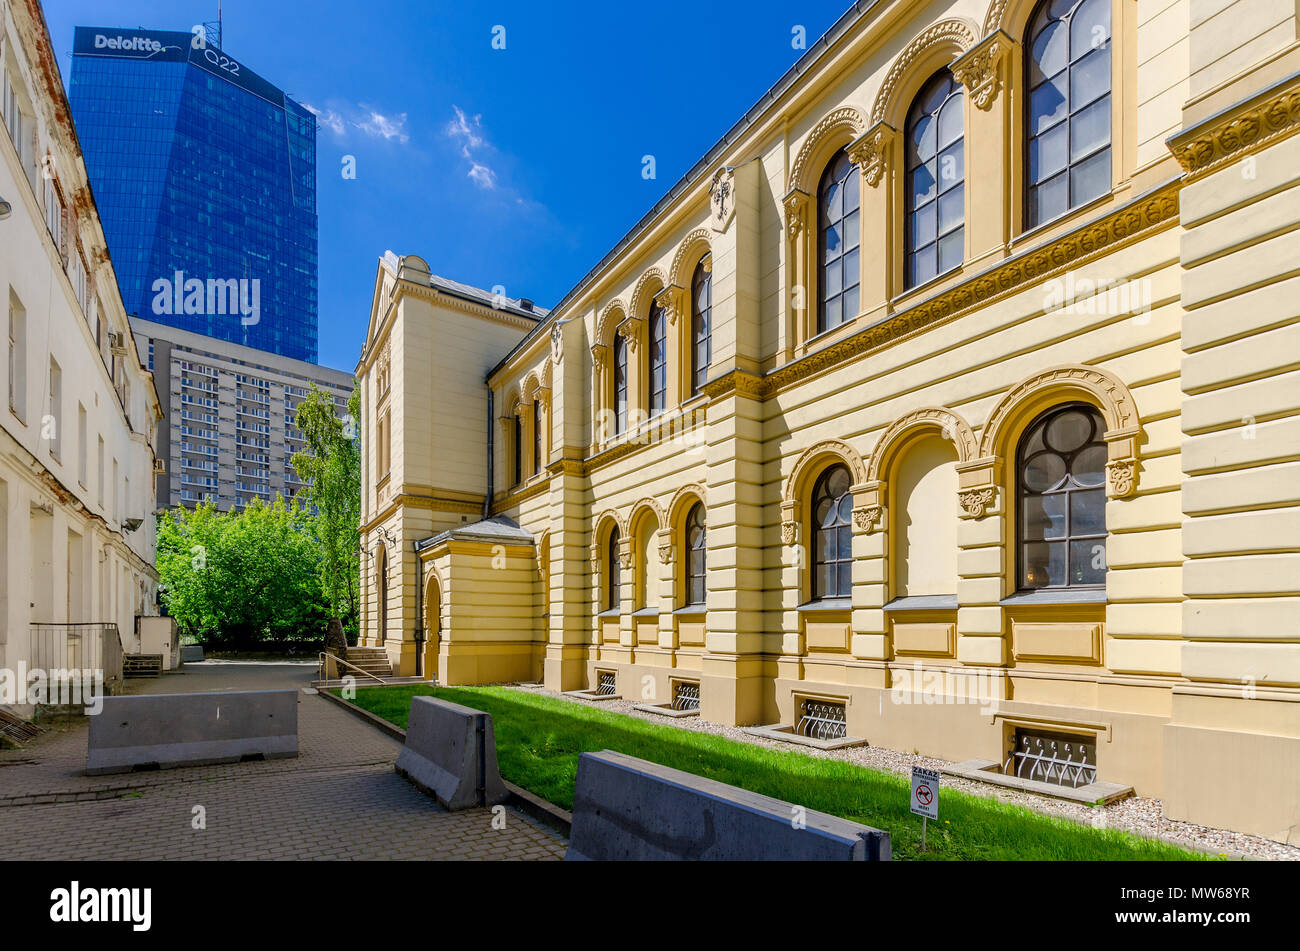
[1138,814]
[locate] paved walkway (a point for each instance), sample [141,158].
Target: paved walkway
[340,799]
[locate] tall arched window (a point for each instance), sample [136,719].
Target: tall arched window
[701,326]
[840,271]
[620,383]
[936,177]
[695,555]
[1060,481]
[613,580]
[658,360]
[518,447]
[1067,69]
[539,437]
[832,556]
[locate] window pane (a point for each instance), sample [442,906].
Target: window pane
[1043,516]
[832,317]
[952,250]
[950,121]
[1089,27]
[924,264]
[1043,472]
[1068,431]
[831,278]
[1048,153]
[1089,466]
[1047,54]
[924,142]
[1090,179]
[1088,512]
[852,187]
[846,542]
[923,184]
[952,209]
[851,306]
[852,230]
[1089,79]
[852,274]
[1088,562]
[951,166]
[845,579]
[1047,104]
[1048,200]
[831,242]
[1043,564]
[1090,129]
[923,224]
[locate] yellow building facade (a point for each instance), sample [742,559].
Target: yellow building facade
[964,368]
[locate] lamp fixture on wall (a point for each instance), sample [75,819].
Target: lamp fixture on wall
[6,209]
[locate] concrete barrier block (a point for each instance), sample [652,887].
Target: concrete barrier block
[191,729]
[191,653]
[451,754]
[626,808]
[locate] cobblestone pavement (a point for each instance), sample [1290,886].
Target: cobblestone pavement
[340,799]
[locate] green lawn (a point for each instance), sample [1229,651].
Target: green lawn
[539,738]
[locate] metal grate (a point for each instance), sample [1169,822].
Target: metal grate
[822,720]
[605,683]
[686,696]
[1053,758]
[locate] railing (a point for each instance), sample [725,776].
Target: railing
[822,720]
[322,660]
[87,645]
[1049,759]
[686,696]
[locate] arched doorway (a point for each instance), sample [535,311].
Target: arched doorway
[382,570]
[432,626]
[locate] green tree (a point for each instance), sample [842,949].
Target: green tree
[241,578]
[331,468]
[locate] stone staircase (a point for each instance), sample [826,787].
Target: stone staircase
[373,660]
[142,665]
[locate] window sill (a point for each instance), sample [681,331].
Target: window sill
[691,610]
[646,612]
[610,613]
[1039,230]
[1057,596]
[827,605]
[926,288]
[924,602]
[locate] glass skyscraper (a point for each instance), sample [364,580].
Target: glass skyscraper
[205,178]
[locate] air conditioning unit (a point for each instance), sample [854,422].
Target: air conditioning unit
[116,343]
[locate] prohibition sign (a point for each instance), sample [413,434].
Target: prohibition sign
[923,795]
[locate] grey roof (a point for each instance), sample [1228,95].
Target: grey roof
[496,529]
[478,295]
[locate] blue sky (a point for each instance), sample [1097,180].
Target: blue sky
[518,167]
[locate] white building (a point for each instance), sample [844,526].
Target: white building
[228,431]
[79,414]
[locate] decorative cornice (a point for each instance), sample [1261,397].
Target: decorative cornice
[981,69]
[735,381]
[1134,220]
[1223,139]
[795,201]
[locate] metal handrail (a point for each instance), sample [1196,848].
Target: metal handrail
[320,667]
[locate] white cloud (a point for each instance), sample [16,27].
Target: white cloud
[467,131]
[379,125]
[326,117]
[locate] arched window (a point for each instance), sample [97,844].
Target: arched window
[620,384]
[1060,481]
[695,555]
[701,326]
[658,360]
[840,271]
[1067,69]
[613,590]
[936,176]
[539,437]
[832,510]
[519,449]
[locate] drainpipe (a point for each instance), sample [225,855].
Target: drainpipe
[491,451]
[419,611]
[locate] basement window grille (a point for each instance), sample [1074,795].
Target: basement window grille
[822,720]
[686,696]
[1059,759]
[605,683]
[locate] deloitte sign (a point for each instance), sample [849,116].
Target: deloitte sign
[127,44]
